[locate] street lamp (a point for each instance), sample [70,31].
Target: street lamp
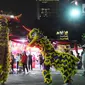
[75,10]
[74,13]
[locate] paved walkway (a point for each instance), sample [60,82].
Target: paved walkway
[80,71]
[37,70]
[35,78]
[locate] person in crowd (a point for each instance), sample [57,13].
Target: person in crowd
[80,62]
[17,61]
[40,60]
[71,52]
[20,64]
[83,61]
[24,62]
[30,61]
[33,61]
[12,62]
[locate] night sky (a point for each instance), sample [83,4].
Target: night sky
[28,10]
[26,7]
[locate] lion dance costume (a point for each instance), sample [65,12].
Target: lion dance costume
[5,20]
[4,50]
[63,62]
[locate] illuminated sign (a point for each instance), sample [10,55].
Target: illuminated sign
[62,35]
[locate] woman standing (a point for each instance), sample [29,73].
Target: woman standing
[24,62]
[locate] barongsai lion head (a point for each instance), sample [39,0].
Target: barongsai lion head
[3,22]
[34,36]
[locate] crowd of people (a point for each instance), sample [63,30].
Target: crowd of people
[24,61]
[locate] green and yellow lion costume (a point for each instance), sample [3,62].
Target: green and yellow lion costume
[64,62]
[4,50]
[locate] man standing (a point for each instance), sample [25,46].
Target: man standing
[12,62]
[41,60]
[80,62]
[30,62]
[83,61]
[17,61]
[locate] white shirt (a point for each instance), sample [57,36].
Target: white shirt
[83,57]
[17,58]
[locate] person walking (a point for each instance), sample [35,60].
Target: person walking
[24,62]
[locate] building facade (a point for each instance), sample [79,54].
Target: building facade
[47,8]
